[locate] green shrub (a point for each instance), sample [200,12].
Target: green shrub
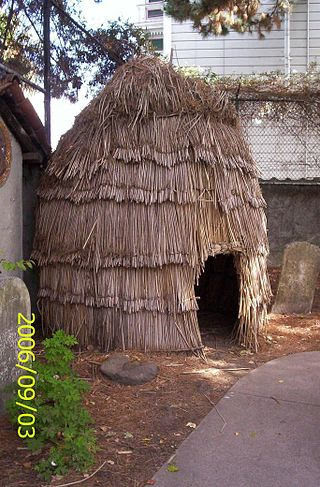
[62,423]
[23,265]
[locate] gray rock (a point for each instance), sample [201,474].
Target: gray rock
[14,299]
[120,369]
[114,363]
[299,273]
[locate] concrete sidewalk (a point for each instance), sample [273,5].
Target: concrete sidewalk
[265,432]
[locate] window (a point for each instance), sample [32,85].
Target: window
[155,13]
[157,44]
[5,153]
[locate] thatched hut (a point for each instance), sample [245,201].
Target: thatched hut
[153,179]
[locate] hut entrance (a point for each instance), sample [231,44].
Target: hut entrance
[218,296]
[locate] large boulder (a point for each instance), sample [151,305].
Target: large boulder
[14,299]
[299,274]
[119,368]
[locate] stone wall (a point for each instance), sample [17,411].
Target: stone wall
[14,299]
[293,215]
[11,209]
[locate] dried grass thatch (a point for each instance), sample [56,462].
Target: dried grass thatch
[154,177]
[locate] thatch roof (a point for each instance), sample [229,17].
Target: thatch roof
[154,177]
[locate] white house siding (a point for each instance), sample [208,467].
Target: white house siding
[246,53]
[241,53]
[233,54]
[299,27]
[315,30]
[11,210]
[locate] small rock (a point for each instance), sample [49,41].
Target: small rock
[120,369]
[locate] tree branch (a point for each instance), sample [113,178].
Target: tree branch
[9,19]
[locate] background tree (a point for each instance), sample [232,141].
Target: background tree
[76,60]
[219,16]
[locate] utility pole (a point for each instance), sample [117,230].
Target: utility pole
[47,69]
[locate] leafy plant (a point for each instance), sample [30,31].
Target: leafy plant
[22,264]
[275,81]
[219,17]
[62,423]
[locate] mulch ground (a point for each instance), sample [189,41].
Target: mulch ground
[139,427]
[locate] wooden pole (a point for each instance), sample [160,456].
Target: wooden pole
[47,70]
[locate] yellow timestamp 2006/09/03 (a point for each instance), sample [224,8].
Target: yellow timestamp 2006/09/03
[26,392]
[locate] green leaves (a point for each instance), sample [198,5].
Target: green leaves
[22,264]
[62,423]
[218,17]
[172,468]
[8,266]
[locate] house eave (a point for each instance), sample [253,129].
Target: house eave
[22,120]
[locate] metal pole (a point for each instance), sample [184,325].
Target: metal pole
[47,70]
[287,53]
[308,35]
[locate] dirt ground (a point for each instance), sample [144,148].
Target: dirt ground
[139,427]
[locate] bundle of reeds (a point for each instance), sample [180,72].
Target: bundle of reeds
[154,177]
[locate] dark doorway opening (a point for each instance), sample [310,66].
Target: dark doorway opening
[218,296]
